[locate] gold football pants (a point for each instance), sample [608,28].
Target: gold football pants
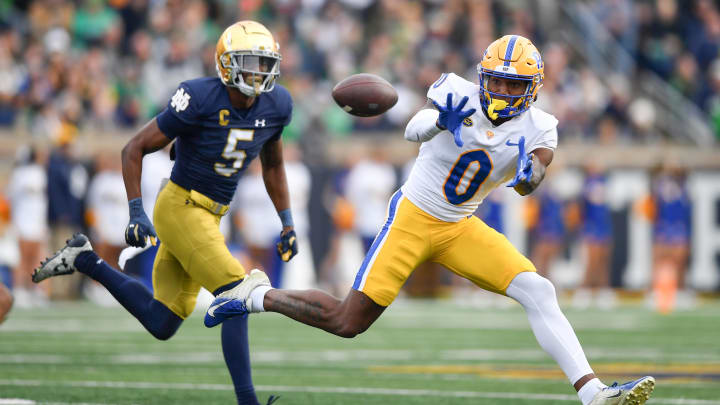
[192,251]
[410,236]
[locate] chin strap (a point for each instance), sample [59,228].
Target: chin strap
[496,104]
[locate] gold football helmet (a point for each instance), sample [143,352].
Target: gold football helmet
[248,58]
[510,57]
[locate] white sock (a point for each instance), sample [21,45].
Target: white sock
[257,296]
[589,390]
[552,330]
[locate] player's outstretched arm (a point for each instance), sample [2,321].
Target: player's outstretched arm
[273,171]
[149,139]
[541,159]
[422,126]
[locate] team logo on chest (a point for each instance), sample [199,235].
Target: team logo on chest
[259,123]
[490,134]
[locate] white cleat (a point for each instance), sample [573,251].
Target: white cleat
[63,262]
[632,393]
[235,301]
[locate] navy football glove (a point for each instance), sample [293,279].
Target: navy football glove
[287,247]
[451,118]
[139,229]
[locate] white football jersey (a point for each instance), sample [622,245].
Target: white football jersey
[449,182]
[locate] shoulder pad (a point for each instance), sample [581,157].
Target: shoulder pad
[187,97]
[451,83]
[542,120]
[282,100]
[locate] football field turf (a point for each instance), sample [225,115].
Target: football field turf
[418,352]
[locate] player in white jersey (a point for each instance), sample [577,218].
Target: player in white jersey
[477,138]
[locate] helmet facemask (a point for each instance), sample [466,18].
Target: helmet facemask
[251,72]
[499,105]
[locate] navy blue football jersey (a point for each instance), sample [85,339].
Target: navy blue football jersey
[215,142]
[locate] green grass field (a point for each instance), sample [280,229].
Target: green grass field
[419,352]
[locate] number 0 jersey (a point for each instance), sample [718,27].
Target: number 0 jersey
[215,141]
[449,182]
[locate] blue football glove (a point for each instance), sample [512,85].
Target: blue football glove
[451,118]
[524,171]
[287,247]
[139,229]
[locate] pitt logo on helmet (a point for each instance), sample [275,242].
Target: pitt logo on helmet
[510,57]
[248,58]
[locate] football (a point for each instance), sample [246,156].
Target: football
[364,95]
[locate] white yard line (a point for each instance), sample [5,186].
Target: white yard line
[308,357]
[334,390]
[19,401]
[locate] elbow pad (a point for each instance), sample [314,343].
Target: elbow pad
[421,127]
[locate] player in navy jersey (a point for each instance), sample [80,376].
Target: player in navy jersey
[219,125]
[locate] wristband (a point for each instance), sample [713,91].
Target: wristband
[286,217]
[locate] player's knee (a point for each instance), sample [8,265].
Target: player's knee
[162,334]
[531,284]
[543,288]
[164,323]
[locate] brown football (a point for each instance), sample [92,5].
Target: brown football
[364,95]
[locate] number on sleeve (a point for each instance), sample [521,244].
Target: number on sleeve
[229,153]
[467,175]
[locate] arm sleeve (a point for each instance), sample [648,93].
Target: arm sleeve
[421,127]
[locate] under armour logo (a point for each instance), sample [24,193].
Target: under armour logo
[259,123]
[180,100]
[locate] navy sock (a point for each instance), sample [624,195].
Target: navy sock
[237,357]
[158,319]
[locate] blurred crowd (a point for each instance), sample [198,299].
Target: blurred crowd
[103,66]
[569,226]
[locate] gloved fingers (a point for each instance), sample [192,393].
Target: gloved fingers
[468,113]
[438,106]
[448,103]
[463,101]
[132,236]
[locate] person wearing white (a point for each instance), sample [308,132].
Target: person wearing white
[27,192]
[369,185]
[107,205]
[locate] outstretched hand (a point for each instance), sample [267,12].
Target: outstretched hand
[451,118]
[524,169]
